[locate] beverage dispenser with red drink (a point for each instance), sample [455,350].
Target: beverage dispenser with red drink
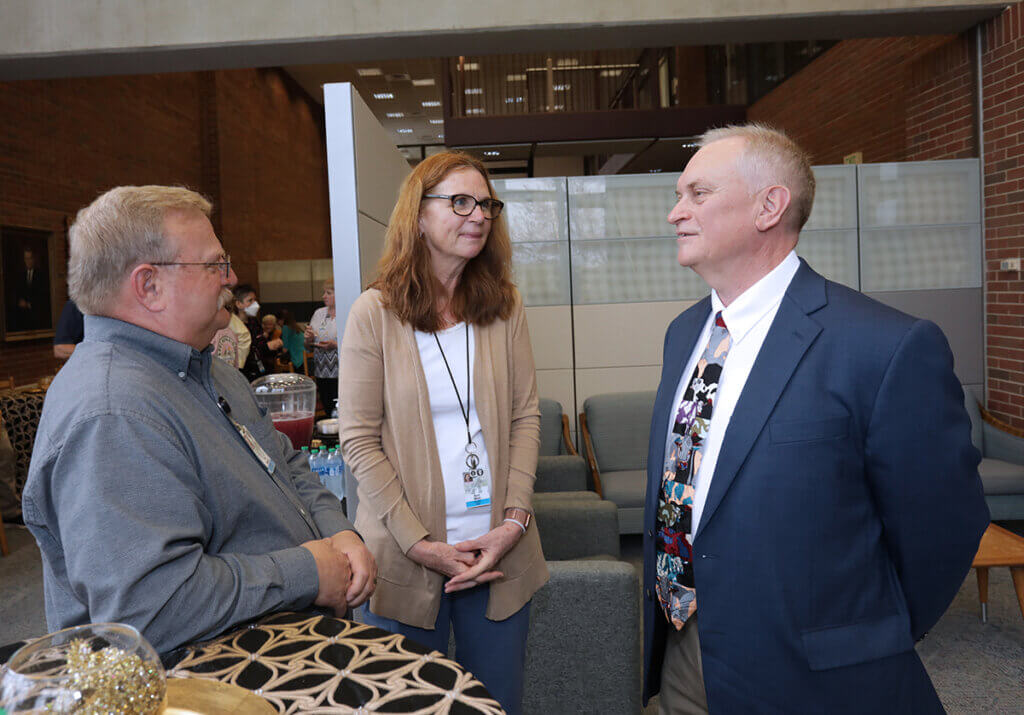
[290,399]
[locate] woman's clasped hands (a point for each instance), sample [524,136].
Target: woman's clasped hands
[468,563]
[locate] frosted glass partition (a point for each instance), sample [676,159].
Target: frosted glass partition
[921,193]
[623,248]
[627,206]
[920,225]
[536,212]
[835,198]
[833,254]
[829,238]
[919,258]
[632,270]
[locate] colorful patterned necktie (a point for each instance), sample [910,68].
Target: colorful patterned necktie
[682,462]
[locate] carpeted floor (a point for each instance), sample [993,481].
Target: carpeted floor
[976,668]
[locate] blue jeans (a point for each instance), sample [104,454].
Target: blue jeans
[493,651]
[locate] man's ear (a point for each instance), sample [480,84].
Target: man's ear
[772,207]
[146,287]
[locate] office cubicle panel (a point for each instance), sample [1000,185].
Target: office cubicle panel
[601,248]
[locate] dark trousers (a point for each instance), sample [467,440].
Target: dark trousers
[327,390]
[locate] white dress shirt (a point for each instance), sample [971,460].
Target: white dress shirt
[748,319]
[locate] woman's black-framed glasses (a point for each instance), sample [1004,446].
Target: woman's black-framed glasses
[222,265]
[464,204]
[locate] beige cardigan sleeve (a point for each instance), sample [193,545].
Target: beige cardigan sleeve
[361,385]
[524,438]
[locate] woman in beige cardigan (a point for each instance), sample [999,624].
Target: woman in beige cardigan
[440,426]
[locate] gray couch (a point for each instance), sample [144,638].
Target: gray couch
[615,429]
[1002,463]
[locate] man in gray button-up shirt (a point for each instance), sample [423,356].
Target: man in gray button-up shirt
[148,505]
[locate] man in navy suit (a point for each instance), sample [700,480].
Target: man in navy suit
[813,500]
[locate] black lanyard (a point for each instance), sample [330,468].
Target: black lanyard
[464,410]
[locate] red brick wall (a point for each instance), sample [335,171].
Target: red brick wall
[66,141]
[273,172]
[247,138]
[1003,79]
[854,97]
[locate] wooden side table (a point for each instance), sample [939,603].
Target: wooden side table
[999,547]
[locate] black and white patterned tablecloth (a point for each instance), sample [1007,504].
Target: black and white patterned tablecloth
[305,663]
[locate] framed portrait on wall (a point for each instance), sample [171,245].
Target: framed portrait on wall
[27,275]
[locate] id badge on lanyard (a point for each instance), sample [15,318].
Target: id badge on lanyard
[476,483]
[261,454]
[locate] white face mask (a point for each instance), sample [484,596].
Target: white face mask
[252,309]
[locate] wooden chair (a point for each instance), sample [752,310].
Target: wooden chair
[4,549]
[307,359]
[7,383]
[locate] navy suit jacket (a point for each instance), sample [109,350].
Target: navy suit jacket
[843,515]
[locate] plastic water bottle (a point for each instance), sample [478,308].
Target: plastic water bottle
[336,471]
[314,463]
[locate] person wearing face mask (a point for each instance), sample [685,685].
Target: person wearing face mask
[321,334]
[247,312]
[439,423]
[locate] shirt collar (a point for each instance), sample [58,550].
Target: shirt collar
[758,300]
[176,357]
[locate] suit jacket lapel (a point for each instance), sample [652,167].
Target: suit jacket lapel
[791,334]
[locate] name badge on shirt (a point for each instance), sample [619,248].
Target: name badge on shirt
[476,482]
[257,450]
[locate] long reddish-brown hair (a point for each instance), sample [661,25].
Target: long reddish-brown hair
[405,276]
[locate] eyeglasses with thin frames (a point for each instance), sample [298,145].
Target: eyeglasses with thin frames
[222,265]
[464,204]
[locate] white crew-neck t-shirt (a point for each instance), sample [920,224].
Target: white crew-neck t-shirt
[450,425]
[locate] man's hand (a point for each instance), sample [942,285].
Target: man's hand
[441,557]
[489,548]
[335,574]
[364,568]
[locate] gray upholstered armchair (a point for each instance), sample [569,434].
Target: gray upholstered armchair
[583,650]
[615,429]
[559,466]
[1002,463]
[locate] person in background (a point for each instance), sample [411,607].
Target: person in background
[440,425]
[813,499]
[321,334]
[237,349]
[292,338]
[247,310]
[268,343]
[70,331]
[188,513]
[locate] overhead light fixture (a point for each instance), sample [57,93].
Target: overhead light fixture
[513,100]
[405,131]
[440,136]
[610,73]
[561,87]
[474,110]
[492,153]
[369,72]
[436,121]
[431,103]
[559,107]
[470,65]
[515,77]
[690,145]
[395,115]
[428,82]
[568,62]
[474,90]
[383,95]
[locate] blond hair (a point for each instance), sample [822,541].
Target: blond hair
[770,157]
[119,230]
